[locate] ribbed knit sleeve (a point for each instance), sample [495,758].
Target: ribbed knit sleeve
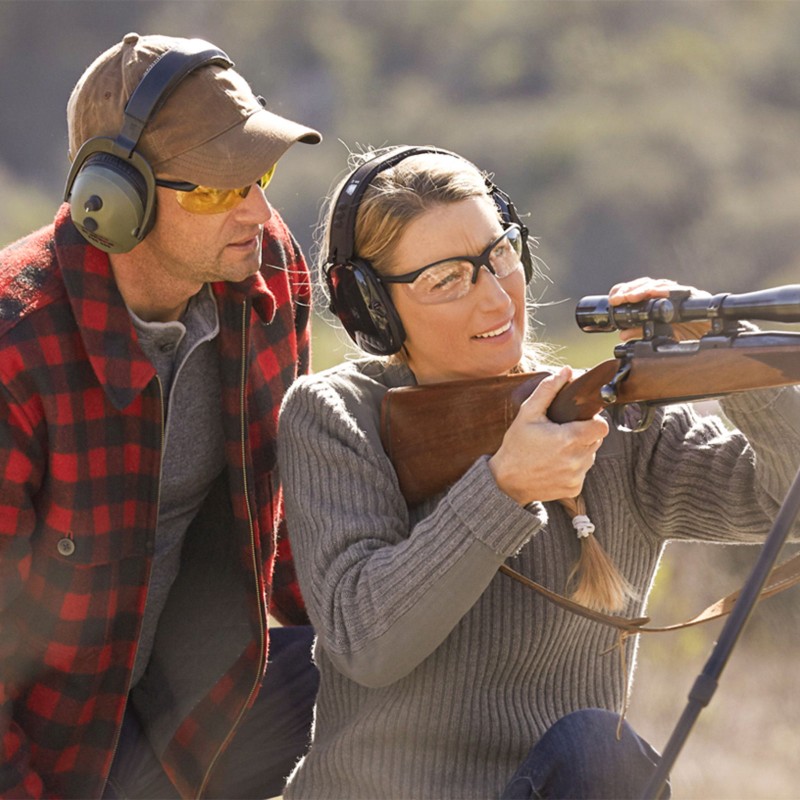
[697,479]
[771,421]
[383,586]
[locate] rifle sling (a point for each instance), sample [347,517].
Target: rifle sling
[781,577]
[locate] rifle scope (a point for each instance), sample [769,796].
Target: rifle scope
[594,314]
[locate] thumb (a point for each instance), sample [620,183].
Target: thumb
[543,395]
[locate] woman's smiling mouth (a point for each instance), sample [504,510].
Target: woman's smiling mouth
[496,332]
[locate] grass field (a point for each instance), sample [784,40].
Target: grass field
[745,743]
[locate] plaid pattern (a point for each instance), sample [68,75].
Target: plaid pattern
[80,449]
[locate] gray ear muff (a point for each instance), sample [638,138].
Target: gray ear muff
[111,188]
[111,202]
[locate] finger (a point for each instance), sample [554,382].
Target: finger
[626,334]
[684,331]
[543,395]
[681,331]
[589,433]
[641,289]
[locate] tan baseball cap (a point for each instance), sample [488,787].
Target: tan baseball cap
[212,129]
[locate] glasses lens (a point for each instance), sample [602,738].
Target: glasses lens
[452,279]
[443,282]
[506,255]
[264,180]
[205,200]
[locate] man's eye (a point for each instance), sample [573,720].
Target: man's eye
[204,193]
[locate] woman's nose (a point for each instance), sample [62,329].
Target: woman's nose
[489,289]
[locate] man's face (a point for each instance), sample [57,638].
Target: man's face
[201,248]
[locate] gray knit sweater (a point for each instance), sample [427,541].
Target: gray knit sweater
[437,673]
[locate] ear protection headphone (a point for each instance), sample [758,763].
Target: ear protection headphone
[357,295]
[111,188]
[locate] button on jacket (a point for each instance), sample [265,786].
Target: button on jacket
[81,426]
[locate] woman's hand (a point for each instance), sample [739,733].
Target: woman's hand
[542,460]
[645,288]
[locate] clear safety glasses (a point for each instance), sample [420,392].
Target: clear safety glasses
[452,278]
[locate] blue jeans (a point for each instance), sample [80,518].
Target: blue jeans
[272,737]
[580,758]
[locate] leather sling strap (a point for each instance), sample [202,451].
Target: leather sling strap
[782,577]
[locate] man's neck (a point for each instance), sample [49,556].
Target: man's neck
[152,294]
[153,310]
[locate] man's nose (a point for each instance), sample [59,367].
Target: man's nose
[255,206]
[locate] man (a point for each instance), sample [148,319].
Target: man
[147,337]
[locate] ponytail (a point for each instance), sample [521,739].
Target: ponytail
[594,580]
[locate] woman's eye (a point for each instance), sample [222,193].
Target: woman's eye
[445,279]
[504,251]
[441,279]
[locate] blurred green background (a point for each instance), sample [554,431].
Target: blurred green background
[641,137]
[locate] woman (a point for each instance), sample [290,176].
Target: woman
[437,673]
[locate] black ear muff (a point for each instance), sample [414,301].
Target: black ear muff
[111,188]
[509,216]
[357,295]
[362,303]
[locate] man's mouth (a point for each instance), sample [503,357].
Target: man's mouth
[250,241]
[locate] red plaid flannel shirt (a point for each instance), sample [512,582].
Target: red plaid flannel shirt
[80,449]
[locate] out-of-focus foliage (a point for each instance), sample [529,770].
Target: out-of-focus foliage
[642,137]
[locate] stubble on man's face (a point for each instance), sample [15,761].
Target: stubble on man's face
[184,250]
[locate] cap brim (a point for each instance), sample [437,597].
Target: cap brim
[240,155]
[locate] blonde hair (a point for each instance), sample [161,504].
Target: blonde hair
[395,198]
[399,195]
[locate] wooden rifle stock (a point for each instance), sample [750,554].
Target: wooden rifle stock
[433,433]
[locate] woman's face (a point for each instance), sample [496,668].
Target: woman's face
[478,335]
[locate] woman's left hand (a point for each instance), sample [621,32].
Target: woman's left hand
[645,288]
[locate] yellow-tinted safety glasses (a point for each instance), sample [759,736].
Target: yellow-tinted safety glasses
[205,200]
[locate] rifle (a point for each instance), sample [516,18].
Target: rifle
[433,433]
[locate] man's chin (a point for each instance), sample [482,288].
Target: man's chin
[241,270]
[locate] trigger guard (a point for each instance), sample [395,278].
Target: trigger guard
[621,416]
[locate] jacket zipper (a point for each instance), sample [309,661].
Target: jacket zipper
[256,570]
[158,504]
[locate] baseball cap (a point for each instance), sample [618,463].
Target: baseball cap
[212,130]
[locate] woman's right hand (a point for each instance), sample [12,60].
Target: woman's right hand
[543,460]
